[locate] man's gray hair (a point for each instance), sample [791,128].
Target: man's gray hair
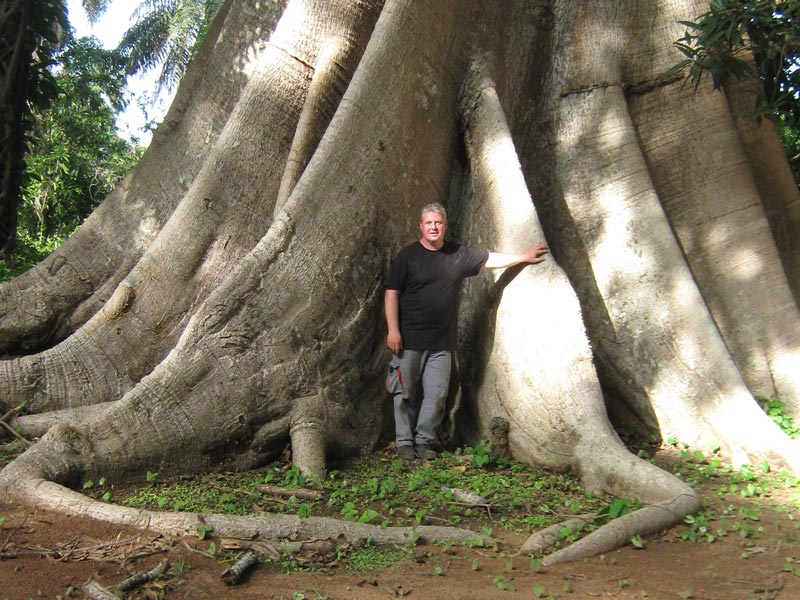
[434,207]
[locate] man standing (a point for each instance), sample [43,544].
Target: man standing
[421,305]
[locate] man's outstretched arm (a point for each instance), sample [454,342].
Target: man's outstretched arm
[391,306]
[534,254]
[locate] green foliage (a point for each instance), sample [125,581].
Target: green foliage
[776,409]
[792,566]
[617,509]
[167,33]
[385,492]
[790,140]
[31,35]
[723,41]
[388,492]
[751,39]
[483,457]
[75,155]
[371,557]
[700,528]
[29,252]
[204,530]
[501,584]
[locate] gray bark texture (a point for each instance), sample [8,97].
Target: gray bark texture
[227,299]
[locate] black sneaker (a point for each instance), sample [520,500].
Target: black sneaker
[406,452]
[426,452]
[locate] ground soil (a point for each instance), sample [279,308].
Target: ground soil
[46,555]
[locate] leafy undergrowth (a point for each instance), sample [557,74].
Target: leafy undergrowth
[746,525]
[467,488]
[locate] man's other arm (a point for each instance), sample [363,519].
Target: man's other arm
[534,254]
[391,306]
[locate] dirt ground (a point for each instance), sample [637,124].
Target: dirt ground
[45,555]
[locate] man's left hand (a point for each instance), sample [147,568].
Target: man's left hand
[536,253]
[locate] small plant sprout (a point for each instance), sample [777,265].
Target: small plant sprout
[791,566]
[501,584]
[203,530]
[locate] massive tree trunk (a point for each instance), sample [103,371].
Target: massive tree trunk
[252,242]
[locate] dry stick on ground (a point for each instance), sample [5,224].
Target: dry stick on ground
[487,506]
[301,494]
[96,591]
[4,423]
[13,412]
[139,579]
[11,534]
[61,555]
[264,548]
[232,575]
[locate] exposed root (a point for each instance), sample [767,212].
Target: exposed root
[51,496]
[62,455]
[35,426]
[610,468]
[324,93]
[588,443]
[307,433]
[546,538]
[617,533]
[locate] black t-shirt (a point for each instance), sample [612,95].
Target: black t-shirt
[429,283]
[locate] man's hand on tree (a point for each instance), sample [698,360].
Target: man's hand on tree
[536,253]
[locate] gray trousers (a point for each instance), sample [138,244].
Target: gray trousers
[418,381]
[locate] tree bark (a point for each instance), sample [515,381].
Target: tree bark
[252,318]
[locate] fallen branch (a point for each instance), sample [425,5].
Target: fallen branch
[12,412]
[301,494]
[265,549]
[4,423]
[487,506]
[232,575]
[71,550]
[11,534]
[200,552]
[140,579]
[94,590]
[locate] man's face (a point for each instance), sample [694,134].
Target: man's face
[433,227]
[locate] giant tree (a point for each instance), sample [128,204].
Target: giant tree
[225,300]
